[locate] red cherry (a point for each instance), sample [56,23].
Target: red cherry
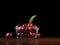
[30,33]
[29,27]
[29,24]
[8,35]
[38,35]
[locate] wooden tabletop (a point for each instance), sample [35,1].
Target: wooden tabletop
[30,41]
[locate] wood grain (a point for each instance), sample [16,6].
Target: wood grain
[30,41]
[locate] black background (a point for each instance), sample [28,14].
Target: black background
[13,13]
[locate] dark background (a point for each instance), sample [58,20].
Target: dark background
[19,13]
